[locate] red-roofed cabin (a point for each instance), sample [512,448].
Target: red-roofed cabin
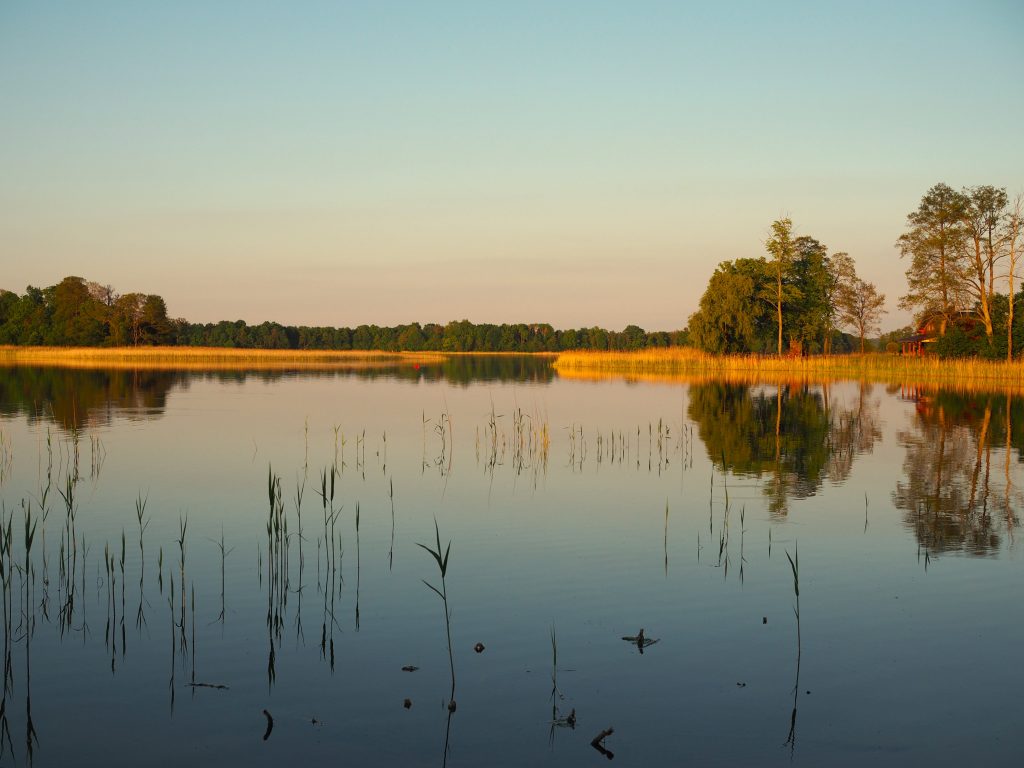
[928,333]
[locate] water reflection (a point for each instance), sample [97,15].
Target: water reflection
[793,435]
[76,398]
[957,491]
[590,545]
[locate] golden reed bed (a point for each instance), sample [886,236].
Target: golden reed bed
[683,364]
[208,358]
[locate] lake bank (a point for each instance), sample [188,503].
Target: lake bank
[675,362]
[209,358]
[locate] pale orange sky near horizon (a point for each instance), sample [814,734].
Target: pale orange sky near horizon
[583,165]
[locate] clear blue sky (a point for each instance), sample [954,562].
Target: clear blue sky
[578,163]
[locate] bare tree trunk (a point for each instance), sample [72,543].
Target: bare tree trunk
[984,294]
[1013,235]
[778,423]
[779,305]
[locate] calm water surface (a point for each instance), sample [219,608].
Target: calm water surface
[580,510]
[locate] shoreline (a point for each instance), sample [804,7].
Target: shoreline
[211,358]
[668,365]
[674,363]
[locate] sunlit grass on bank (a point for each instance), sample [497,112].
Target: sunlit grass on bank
[685,363]
[207,358]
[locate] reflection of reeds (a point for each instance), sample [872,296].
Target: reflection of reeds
[28,575]
[173,625]
[6,456]
[6,586]
[182,531]
[277,569]
[665,540]
[557,721]
[224,552]
[140,512]
[97,455]
[69,550]
[358,566]
[332,558]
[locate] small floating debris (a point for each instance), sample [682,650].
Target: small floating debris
[741,685]
[215,686]
[270,725]
[407,703]
[451,705]
[479,647]
[640,640]
[569,721]
[409,668]
[764,619]
[598,742]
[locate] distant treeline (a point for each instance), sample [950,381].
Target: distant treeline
[76,312]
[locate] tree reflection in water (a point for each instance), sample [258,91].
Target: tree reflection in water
[957,492]
[76,398]
[795,436]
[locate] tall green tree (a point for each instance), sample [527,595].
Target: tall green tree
[730,317]
[157,329]
[8,300]
[75,314]
[126,322]
[27,320]
[809,312]
[782,251]
[935,242]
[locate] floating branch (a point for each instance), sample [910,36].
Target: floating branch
[640,640]
[598,742]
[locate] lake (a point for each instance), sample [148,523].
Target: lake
[226,566]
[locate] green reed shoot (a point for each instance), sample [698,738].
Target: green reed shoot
[30,535]
[300,491]
[665,538]
[7,568]
[70,551]
[358,567]
[554,667]
[182,530]
[794,565]
[391,496]
[442,567]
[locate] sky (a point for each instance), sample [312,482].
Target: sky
[584,162]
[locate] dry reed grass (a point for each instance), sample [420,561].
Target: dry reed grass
[207,358]
[684,364]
